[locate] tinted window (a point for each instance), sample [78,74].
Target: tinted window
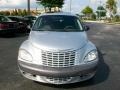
[58,23]
[13,18]
[30,17]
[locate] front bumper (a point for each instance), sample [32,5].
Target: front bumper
[74,72]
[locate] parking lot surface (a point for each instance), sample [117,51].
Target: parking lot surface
[105,37]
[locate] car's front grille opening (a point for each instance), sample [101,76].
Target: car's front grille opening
[58,80]
[58,59]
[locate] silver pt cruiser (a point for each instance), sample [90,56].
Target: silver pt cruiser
[58,51]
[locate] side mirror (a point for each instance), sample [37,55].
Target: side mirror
[86,28]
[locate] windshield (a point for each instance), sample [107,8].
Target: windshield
[58,23]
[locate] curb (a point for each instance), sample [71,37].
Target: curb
[103,22]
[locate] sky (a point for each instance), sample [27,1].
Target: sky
[77,5]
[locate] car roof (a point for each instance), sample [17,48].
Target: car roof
[59,13]
[29,16]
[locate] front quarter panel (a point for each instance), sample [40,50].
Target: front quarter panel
[35,52]
[88,48]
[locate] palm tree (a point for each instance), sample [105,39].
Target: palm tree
[111,5]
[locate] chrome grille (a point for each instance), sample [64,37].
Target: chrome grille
[58,59]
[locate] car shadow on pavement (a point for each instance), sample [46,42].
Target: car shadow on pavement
[102,75]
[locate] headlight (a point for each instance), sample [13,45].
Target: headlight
[93,55]
[23,54]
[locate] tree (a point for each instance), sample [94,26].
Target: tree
[24,12]
[15,12]
[12,13]
[101,12]
[7,13]
[88,12]
[19,12]
[111,5]
[51,4]
[93,16]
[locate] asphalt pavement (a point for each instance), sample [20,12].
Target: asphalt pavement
[105,37]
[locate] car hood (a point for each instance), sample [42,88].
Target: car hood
[58,40]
